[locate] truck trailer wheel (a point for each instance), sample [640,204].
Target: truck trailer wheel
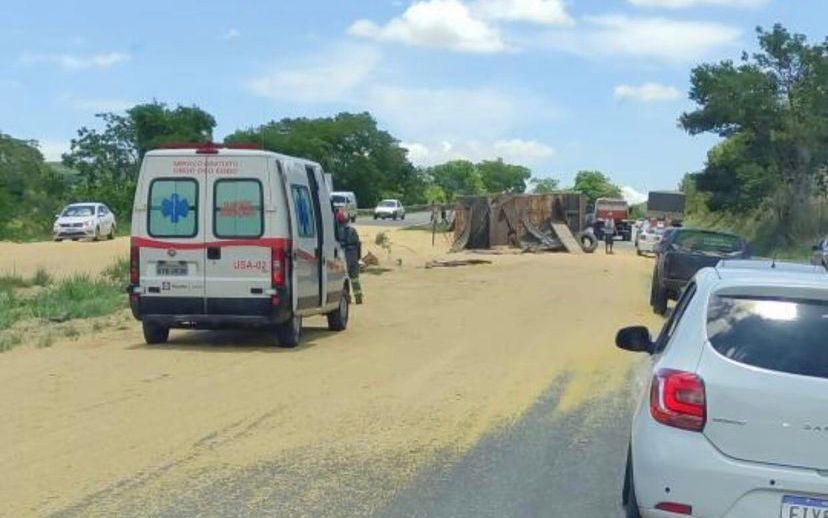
[588,242]
[290,333]
[338,319]
[155,334]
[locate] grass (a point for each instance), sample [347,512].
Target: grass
[442,227]
[59,300]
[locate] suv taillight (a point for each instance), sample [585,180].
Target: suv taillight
[134,265]
[677,399]
[278,267]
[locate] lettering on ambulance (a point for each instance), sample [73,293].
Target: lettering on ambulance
[215,167]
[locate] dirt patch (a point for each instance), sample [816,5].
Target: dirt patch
[432,361]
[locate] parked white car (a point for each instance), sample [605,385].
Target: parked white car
[647,237]
[389,209]
[733,423]
[84,220]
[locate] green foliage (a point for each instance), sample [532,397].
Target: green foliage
[41,278]
[107,160]
[434,194]
[361,157]
[499,176]
[118,271]
[457,177]
[80,296]
[30,190]
[544,185]
[772,108]
[594,185]
[638,211]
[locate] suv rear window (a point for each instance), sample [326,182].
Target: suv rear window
[173,208]
[785,335]
[700,241]
[238,208]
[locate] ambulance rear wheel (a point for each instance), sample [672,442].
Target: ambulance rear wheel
[155,334]
[290,332]
[338,319]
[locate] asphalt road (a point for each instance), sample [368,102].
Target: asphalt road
[411,219]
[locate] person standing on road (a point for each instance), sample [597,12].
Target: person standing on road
[352,247]
[609,235]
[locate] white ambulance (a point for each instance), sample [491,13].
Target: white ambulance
[234,237]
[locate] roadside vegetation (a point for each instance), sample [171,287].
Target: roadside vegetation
[38,309]
[768,178]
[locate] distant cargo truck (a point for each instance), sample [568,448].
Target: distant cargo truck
[616,209]
[666,206]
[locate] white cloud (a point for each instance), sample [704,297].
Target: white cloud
[72,62]
[446,24]
[446,113]
[52,149]
[647,92]
[633,196]
[684,4]
[545,12]
[515,151]
[231,34]
[95,105]
[644,37]
[328,77]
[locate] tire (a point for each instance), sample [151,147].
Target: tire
[155,334]
[629,502]
[97,236]
[589,243]
[376,217]
[660,301]
[58,239]
[394,216]
[289,333]
[111,234]
[402,217]
[338,319]
[75,238]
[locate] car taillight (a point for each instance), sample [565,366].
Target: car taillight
[134,265]
[278,267]
[677,399]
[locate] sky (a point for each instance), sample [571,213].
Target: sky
[555,85]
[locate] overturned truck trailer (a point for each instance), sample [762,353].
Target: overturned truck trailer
[529,221]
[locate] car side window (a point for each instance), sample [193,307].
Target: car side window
[303,211]
[672,323]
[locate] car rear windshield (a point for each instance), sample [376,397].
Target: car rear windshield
[785,335]
[173,208]
[700,241]
[339,199]
[387,203]
[78,211]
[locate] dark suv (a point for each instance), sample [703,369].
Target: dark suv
[684,251]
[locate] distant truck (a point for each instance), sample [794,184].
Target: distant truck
[616,209]
[667,206]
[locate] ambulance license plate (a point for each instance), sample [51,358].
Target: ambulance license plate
[171,269]
[804,507]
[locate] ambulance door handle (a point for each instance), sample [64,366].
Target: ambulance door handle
[213,253]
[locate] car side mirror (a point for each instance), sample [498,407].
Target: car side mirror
[636,339]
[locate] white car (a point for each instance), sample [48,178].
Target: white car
[734,422]
[647,237]
[389,209]
[84,220]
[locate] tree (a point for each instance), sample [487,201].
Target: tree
[30,190]
[544,185]
[457,177]
[361,157]
[499,176]
[594,185]
[108,160]
[773,110]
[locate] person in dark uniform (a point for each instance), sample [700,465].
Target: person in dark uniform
[352,246]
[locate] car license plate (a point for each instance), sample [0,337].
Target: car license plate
[804,507]
[168,269]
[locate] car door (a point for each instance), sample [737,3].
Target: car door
[306,278]
[237,265]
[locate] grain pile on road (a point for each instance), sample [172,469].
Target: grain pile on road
[435,359]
